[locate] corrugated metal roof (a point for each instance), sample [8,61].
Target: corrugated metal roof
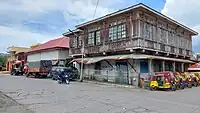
[129,56]
[62,42]
[140,5]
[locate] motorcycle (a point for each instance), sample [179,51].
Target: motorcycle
[63,79]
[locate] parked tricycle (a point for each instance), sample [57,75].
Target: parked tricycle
[187,80]
[195,79]
[179,82]
[163,80]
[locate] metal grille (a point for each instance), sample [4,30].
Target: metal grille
[111,76]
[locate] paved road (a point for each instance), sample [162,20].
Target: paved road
[46,96]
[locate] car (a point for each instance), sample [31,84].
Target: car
[71,71]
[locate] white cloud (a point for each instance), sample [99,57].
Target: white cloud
[84,10]
[19,37]
[186,12]
[15,12]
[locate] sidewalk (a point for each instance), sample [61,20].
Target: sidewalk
[4,72]
[110,84]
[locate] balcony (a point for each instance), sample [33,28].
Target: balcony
[134,43]
[131,43]
[113,46]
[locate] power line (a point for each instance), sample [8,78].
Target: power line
[96,8]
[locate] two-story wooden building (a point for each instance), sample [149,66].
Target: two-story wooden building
[133,40]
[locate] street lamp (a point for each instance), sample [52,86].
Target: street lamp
[82,55]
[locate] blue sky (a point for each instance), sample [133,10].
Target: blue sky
[27,22]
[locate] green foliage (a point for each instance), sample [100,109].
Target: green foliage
[3,60]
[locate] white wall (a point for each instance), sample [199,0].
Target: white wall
[136,65]
[89,69]
[108,70]
[50,55]
[34,57]
[63,54]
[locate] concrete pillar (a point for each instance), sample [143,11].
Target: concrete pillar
[163,65]
[150,66]
[174,66]
[182,67]
[77,65]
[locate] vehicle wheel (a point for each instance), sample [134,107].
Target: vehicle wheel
[67,81]
[58,81]
[195,84]
[182,87]
[27,75]
[189,86]
[53,78]
[153,88]
[173,88]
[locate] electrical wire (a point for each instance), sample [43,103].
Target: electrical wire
[96,8]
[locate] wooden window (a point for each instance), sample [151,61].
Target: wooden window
[91,38]
[163,36]
[170,38]
[117,30]
[74,42]
[80,42]
[94,36]
[97,37]
[148,31]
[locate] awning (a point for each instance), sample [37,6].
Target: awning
[112,57]
[94,60]
[128,56]
[132,56]
[79,60]
[171,59]
[194,67]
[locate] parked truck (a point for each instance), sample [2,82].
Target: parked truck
[39,68]
[17,68]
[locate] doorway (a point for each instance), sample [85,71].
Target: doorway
[122,73]
[144,67]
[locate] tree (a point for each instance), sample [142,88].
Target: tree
[3,60]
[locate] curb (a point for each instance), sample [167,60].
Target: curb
[110,84]
[4,72]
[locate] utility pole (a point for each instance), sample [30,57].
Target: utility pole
[82,56]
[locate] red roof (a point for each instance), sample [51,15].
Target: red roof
[62,42]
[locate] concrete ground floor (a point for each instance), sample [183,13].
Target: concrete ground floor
[126,71]
[46,96]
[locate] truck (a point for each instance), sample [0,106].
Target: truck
[17,68]
[39,68]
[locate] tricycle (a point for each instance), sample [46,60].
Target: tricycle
[195,79]
[178,81]
[187,80]
[163,80]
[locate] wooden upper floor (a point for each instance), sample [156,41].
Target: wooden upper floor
[140,28]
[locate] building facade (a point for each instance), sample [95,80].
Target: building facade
[15,54]
[56,50]
[132,42]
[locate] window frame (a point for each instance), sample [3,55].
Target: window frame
[96,38]
[117,30]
